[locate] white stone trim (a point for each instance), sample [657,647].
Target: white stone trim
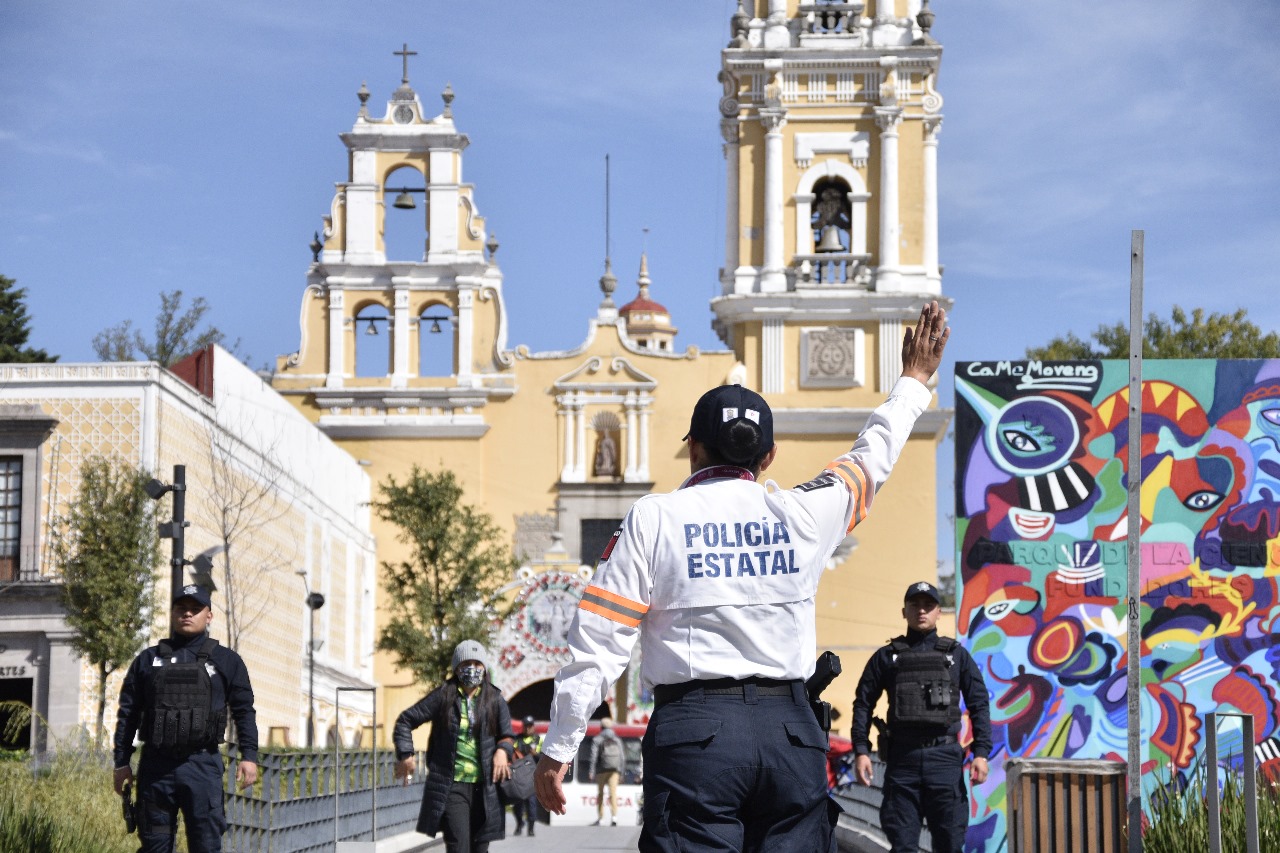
[856,146]
[772,356]
[932,127]
[337,338]
[859,372]
[773,278]
[402,426]
[400,338]
[890,351]
[849,422]
[887,274]
[858,197]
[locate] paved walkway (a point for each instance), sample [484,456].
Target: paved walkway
[562,839]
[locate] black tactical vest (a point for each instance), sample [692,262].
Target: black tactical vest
[181,716]
[923,693]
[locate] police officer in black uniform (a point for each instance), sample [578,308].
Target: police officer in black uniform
[925,675]
[175,698]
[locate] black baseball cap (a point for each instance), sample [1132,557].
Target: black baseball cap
[198,594]
[720,408]
[922,588]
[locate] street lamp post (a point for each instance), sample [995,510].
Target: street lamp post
[314,602]
[175,530]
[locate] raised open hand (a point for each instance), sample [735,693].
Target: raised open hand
[922,346]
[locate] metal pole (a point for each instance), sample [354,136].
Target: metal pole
[1250,786]
[337,767]
[179,526]
[1133,791]
[311,679]
[1212,804]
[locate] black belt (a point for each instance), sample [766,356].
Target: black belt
[908,742]
[664,693]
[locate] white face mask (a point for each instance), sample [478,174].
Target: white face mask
[471,675]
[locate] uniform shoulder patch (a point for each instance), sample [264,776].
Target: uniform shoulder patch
[822,481]
[608,549]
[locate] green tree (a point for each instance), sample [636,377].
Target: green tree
[177,334]
[449,588]
[14,329]
[107,550]
[1199,335]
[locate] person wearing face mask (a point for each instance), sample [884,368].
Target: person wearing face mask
[468,753]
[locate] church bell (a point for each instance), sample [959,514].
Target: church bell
[830,241]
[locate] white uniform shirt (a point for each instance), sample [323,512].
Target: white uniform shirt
[722,574]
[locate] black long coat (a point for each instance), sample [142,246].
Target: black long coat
[441,707]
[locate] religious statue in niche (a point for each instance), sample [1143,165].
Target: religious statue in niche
[606,459]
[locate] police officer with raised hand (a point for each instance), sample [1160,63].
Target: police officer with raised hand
[924,675]
[175,698]
[717,581]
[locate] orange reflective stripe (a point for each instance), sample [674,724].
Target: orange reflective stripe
[856,479]
[608,612]
[613,606]
[606,595]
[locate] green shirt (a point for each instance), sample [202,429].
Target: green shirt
[466,764]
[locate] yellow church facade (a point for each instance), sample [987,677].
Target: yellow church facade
[829,121]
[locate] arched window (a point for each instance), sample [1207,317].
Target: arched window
[372,341]
[435,341]
[832,216]
[404,220]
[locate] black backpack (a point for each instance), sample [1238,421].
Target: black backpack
[181,715]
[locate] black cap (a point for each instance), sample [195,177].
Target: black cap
[196,593]
[529,722]
[720,409]
[922,588]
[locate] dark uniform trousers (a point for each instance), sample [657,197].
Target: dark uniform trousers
[925,782]
[190,783]
[744,772]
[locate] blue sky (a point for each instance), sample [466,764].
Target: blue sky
[152,146]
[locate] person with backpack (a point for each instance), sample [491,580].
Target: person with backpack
[528,743]
[607,761]
[469,752]
[925,675]
[176,698]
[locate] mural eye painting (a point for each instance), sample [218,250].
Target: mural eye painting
[998,610]
[1203,500]
[1272,416]
[1020,441]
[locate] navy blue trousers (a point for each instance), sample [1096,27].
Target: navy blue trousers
[925,783]
[189,784]
[736,773]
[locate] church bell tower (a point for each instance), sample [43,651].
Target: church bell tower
[408,344]
[830,119]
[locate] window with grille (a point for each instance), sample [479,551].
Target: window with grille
[10,516]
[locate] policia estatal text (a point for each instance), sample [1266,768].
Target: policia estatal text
[718,581]
[176,698]
[924,675]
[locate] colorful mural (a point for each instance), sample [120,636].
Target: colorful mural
[1041,527]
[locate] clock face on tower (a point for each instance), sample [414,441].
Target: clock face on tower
[403,114]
